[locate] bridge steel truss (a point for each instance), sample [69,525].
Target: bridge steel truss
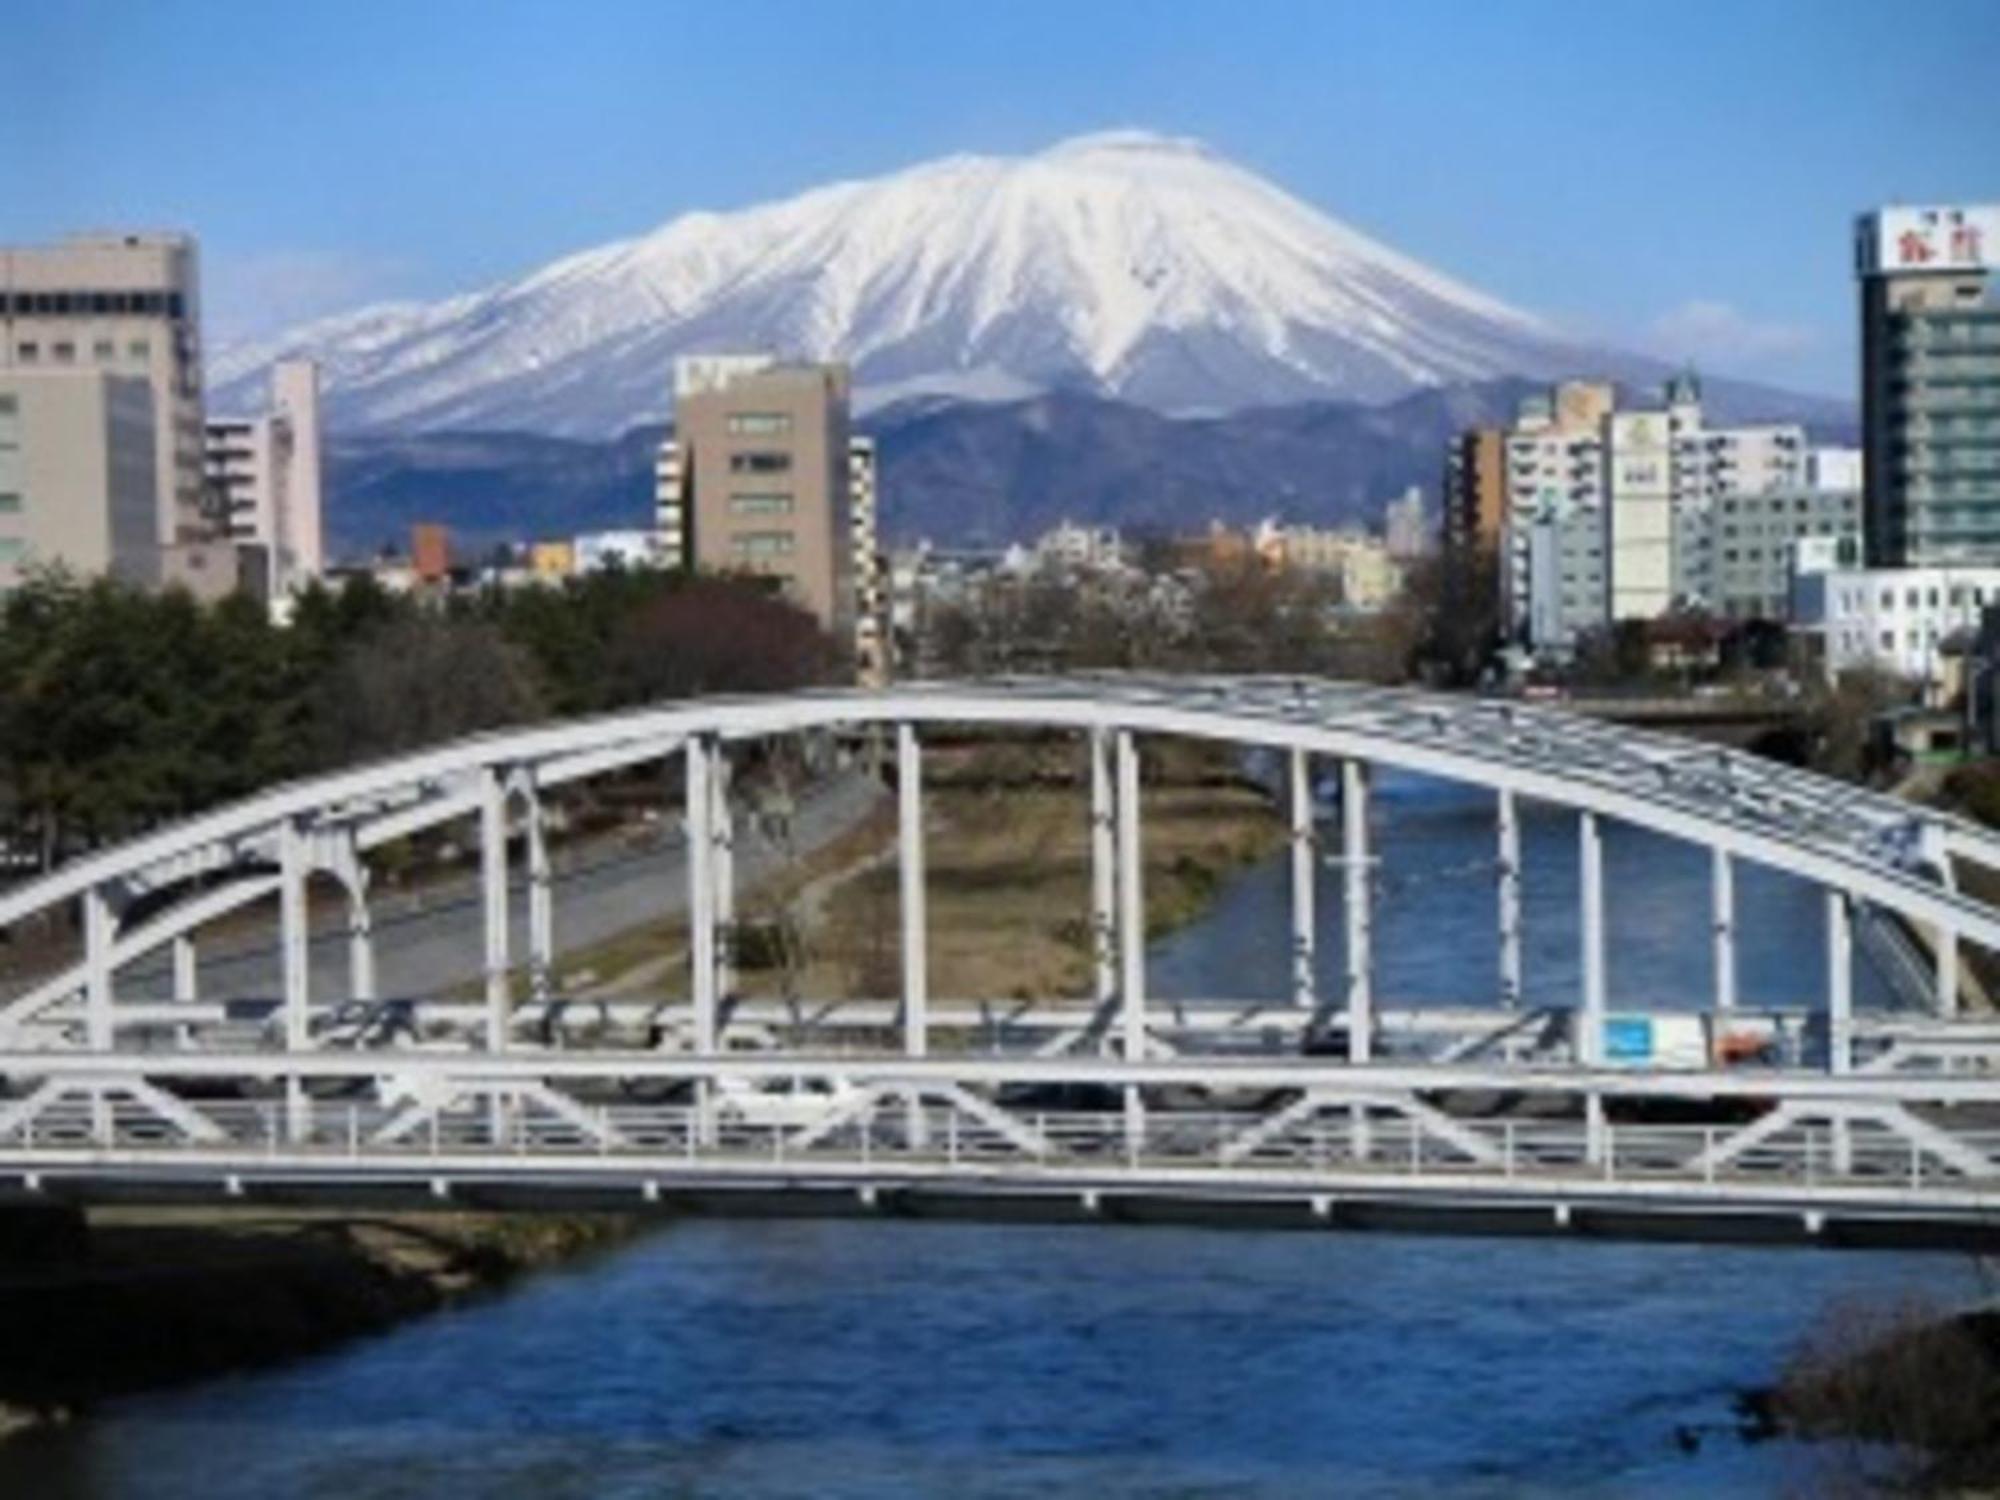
[1898,1118]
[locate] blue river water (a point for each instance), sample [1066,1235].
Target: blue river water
[767,1358]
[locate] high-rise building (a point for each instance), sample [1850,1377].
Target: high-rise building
[1554,581]
[77,484]
[763,475]
[265,477]
[1930,385]
[127,305]
[871,602]
[1475,490]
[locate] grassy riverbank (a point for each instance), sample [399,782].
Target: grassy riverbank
[1007,884]
[125,1300]
[1007,881]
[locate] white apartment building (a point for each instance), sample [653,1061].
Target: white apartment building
[1892,619]
[1080,549]
[601,551]
[129,306]
[266,478]
[1405,528]
[1639,512]
[1611,515]
[1365,572]
[77,483]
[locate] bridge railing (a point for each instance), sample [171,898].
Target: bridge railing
[517,1133]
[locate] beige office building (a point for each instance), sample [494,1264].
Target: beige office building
[77,483]
[127,305]
[763,476]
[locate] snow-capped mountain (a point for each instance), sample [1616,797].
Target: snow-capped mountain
[1124,264]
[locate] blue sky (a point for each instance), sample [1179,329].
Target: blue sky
[1679,178]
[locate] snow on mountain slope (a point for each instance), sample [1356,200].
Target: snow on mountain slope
[1125,264]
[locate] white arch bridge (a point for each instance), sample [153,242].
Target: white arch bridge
[128,1071]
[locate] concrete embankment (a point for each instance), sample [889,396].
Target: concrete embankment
[117,1301]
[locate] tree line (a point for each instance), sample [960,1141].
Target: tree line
[121,710]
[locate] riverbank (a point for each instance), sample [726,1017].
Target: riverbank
[123,1300]
[1919,1389]
[1006,877]
[1008,880]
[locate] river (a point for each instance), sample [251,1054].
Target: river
[867,1357]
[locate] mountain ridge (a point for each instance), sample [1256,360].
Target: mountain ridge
[1125,264]
[980,473]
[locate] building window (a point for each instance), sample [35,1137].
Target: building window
[762,544]
[10,505]
[760,423]
[139,349]
[62,353]
[760,462]
[760,505]
[29,352]
[12,549]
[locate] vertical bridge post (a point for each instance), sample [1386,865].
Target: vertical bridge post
[1840,1012]
[97,1019]
[361,980]
[541,893]
[1355,862]
[1509,873]
[187,983]
[1131,931]
[493,888]
[1722,893]
[1103,868]
[723,829]
[700,826]
[1590,1025]
[1305,855]
[1938,847]
[294,962]
[910,868]
[1839,984]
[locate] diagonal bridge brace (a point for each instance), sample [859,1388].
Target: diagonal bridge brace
[1428,1119]
[1960,1156]
[1028,1141]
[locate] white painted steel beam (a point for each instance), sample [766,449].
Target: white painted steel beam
[700,816]
[1305,864]
[541,889]
[1839,984]
[97,996]
[494,923]
[1722,899]
[1103,865]
[1357,862]
[720,779]
[1509,880]
[1590,882]
[1131,930]
[910,871]
[1866,844]
[1131,903]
